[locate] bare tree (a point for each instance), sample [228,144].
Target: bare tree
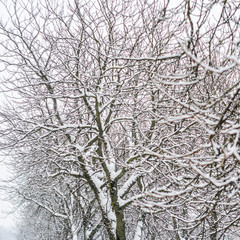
[123,116]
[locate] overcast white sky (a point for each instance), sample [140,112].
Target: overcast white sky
[7,220]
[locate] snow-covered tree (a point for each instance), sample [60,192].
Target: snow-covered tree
[122,119]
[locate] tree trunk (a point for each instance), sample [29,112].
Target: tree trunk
[120,228]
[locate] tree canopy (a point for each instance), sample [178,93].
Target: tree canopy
[122,118]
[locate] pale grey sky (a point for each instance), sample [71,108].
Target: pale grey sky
[6,234]
[6,218]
